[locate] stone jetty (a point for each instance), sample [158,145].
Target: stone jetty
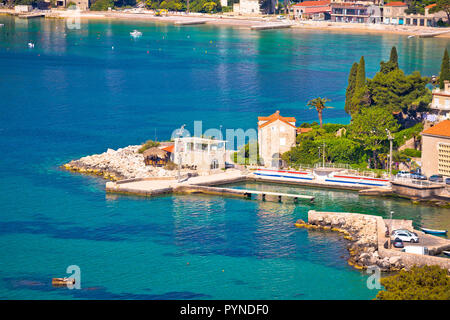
[368,242]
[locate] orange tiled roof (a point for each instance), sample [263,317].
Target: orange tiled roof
[430,6]
[303,130]
[312,3]
[169,148]
[395,4]
[440,129]
[274,117]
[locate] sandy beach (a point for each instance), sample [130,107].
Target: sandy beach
[250,21]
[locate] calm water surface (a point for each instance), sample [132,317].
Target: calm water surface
[74,94]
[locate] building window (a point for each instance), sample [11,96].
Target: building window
[282,141]
[444,159]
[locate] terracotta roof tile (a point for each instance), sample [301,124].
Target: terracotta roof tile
[312,3]
[274,117]
[395,4]
[440,129]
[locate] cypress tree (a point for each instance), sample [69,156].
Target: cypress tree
[360,74]
[394,57]
[445,70]
[360,87]
[350,88]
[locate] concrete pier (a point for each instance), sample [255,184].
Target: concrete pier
[199,184]
[190,22]
[268,26]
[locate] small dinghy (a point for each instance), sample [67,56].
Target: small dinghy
[30,45]
[412,36]
[447,253]
[135,34]
[432,231]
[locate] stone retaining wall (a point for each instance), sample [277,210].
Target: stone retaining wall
[368,237]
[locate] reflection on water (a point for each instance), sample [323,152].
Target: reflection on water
[350,201]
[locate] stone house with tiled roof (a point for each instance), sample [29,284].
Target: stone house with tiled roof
[436,149]
[276,135]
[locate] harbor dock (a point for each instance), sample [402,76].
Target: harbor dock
[190,22]
[268,26]
[199,185]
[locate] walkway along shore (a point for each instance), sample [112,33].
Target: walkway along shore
[253,22]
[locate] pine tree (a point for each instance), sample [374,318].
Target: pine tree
[394,57]
[445,70]
[350,88]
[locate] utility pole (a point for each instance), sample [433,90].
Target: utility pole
[390,152]
[179,133]
[323,155]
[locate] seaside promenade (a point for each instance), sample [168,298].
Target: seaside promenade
[249,22]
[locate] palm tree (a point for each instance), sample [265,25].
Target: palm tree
[319,105]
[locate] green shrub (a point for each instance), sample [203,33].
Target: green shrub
[420,283]
[412,153]
[148,144]
[102,5]
[170,166]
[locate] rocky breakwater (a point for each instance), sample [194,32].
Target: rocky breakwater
[123,163]
[362,233]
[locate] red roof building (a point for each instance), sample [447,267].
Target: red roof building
[316,10]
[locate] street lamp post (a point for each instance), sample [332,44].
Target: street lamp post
[179,133]
[390,152]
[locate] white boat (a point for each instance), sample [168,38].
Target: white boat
[412,36]
[1,25]
[135,34]
[447,253]
[30,45]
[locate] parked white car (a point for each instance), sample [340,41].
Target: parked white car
[405,236]
[403,174]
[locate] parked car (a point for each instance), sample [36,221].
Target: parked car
[281,17]
[447,181]
[405,236]
[404,230]
[416,250]
[229,165]
[418,176]
[398,243]
[436,178]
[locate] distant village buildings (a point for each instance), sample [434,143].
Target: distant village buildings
[440,105]
[247,7]
[436,149]
[276,135]
[364,11]
[314,10]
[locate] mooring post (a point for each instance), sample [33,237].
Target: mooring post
[279,198]
[263,197]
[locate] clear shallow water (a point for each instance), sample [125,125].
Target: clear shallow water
[74,95]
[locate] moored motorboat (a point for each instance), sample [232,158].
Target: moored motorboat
[447,253]
[433,231]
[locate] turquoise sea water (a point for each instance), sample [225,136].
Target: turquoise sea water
[73,95]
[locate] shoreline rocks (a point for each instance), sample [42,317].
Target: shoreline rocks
[123,163]
[361,232]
